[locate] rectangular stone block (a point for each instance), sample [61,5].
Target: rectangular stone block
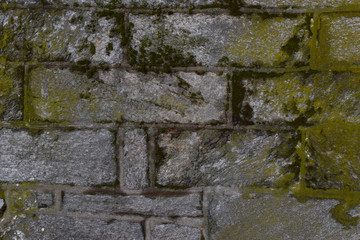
[262,216]
[308,4]
[330,153]
[11,92]
[225,158]
[62,35]
[62,95]
[337,41]
[80,157]
[215,40]
[295,98]
[188,205]
[175,232]
[60,227]
[134,165]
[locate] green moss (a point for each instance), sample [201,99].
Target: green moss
[92,49]
[109,48]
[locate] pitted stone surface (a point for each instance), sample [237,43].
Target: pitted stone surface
[210,158]
[82,157]
[296,98]
[214,40]
[43,227]
[338,41]
[135,162]
[189,205]
[11,92]
[175,232]
[63,96]
[237,217]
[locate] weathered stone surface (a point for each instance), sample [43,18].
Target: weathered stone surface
[248,40]
[11,92]
[238,159]
[62,35]
[189,205]
[81,157]
[2,207]
[175,232]
[303,3]
[338,41]
[44,200]
[167,3]
[59,227]
[135,163]
[331,156]
[269,217]
[296,98]
[58,95]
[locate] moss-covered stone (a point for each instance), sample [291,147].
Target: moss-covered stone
[59,95]
[336,41]
[296,98]
[11,91]
[180,40]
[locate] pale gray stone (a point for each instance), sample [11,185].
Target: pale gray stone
[233,159]
[135,163]
[58,95]
[189,205]
[45,227]
[211,38]
[262,216]
[175,232]
[81,157]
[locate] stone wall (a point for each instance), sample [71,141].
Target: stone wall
[192,119]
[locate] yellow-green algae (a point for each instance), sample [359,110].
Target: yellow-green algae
[259,42]
[334,43]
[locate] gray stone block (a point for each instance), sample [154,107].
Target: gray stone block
[198,39]
[189,205]
[11,92]
[44,200]
[175,232]
[274,217]
[80,157]
[296,98]
[44,227]
[58,95]
[134,164]
[226,158]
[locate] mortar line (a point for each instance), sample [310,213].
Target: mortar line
[152,155]
[120,157]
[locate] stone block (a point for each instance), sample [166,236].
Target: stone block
[61,95]
[175,232]
[82,157]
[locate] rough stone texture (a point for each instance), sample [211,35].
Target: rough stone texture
[189,205]
[238,159]
[247,40]
[58,35]
[175,232]
[303,3]
[11,92]
[338,41]
[135,162]
[332,156]
[43,227]
[60,95]
[296,98]
[268,217]
[44,200]
[72,157]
